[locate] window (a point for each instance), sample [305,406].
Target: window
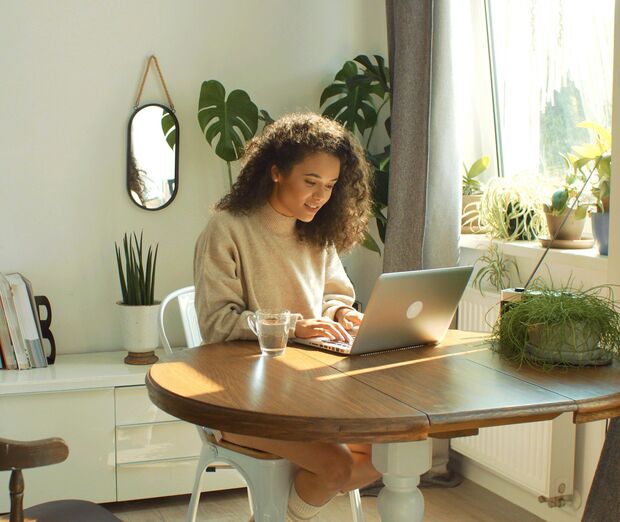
[552,66]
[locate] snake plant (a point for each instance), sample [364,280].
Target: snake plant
[137,279]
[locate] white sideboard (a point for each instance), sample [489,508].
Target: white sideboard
[121,447]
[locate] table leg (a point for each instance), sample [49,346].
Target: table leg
[401,464]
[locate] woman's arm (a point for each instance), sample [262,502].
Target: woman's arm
[220,304]
[338,292]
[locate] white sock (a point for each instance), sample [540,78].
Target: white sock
[298,509]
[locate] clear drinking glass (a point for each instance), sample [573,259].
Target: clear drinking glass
[271,328]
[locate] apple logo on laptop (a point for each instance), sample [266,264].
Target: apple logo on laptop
[414,309]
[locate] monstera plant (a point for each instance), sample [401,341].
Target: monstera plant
[355,98]
[228,122]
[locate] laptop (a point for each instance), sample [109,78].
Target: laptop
[405,309]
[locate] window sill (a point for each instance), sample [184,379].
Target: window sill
[588,259]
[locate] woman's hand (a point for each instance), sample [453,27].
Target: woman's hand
[349,318]
[321,327]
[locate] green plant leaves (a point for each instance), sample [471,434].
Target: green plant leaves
[265,117]
[478,167]
[559,199]
[370,243]
[350,98]
[378,73]
[603,135]
[563,312]
[137,280]
[379,186]
[169,128]
[230,121]
[470,184]
[581,211]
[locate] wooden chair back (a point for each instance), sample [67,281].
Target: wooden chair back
[16,456]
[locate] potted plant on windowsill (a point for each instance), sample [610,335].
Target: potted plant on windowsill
[472,193]
[139,310]
[511,209]
[596,157]
[568,200]
[564,327]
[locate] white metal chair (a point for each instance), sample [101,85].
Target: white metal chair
[267,476]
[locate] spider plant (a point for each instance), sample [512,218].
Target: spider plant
[137,279]
[511,209]
[496,269]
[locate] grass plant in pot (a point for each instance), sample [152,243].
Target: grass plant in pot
[511,208]
[139,311]
[596,157]
[560,327]
[472,193]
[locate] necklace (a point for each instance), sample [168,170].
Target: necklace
[278,212]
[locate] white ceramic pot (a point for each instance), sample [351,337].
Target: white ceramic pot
[139,331]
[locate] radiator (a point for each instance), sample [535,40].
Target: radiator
[538,456]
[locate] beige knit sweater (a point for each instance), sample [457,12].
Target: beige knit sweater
[246,263]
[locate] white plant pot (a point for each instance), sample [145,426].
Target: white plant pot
[139,332]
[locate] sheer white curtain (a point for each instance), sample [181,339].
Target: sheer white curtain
[541,49]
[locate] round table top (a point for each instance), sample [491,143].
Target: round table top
[445,390]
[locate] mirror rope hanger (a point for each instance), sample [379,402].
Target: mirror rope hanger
[152,59]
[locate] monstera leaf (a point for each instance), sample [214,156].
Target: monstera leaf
[265,117]
[229,121]
[169,129]
[350,99]
[379,183]
[377,72]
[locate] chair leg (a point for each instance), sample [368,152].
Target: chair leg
[206,456]
[250,501]
[356,505]
[269,485]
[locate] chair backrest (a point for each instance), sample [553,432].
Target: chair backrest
[185,298]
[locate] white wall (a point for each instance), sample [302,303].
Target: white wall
[70,71]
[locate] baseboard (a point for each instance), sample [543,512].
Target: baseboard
[477,473]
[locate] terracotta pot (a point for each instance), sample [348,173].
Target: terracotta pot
[139,332]
[572,228]
[470,215]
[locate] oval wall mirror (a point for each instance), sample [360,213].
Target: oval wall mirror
[153,156]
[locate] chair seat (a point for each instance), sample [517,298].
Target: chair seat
[68,511]
[250,452]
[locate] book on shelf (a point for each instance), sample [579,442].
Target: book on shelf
[6,344]
[21,316]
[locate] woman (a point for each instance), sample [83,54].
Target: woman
[301,197]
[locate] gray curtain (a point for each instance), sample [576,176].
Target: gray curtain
[603,504]
[424,192]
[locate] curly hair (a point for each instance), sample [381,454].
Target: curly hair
[342,221]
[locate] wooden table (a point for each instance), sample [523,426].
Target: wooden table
[394,400]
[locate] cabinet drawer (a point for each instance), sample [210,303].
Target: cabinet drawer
[172,477]
[133,406]
[85,420]
[166,440]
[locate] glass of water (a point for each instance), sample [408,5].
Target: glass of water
[271,328]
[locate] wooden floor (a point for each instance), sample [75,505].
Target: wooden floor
[465,503]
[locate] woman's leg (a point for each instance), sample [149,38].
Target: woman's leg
[364,472]
[325,469]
